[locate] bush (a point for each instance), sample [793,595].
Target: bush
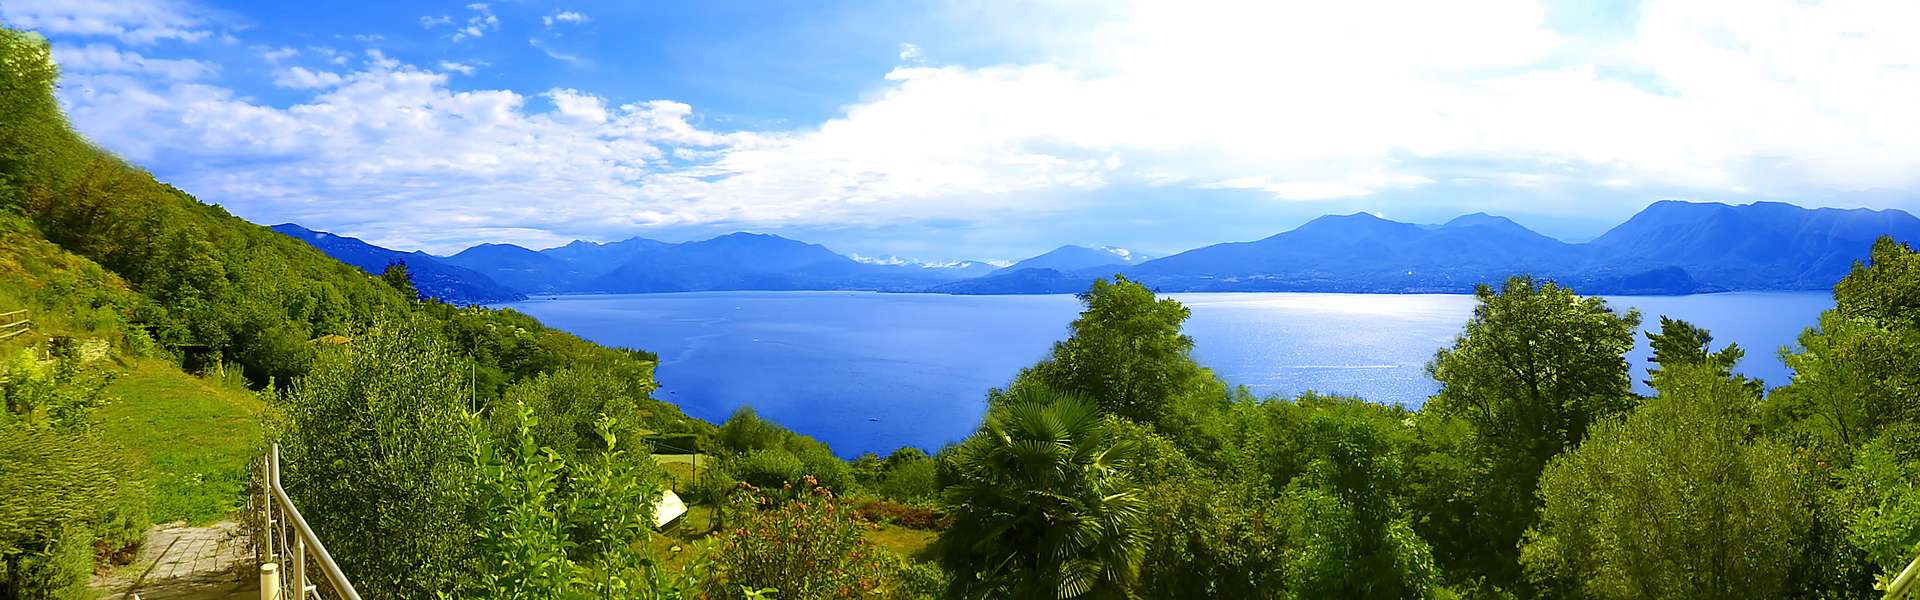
[769,468]
[914,517]
[57,567]
[378,440]
[910,482]
[810,547]
[569,403]
[817,460]
[920,580]
[64,492]
[745,432]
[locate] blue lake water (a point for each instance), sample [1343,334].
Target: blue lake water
[869,372]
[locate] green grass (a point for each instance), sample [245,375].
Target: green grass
[196,439]
[911,543]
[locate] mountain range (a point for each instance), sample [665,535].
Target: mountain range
[1671,247]
[431,276]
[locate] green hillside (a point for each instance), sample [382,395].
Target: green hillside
[165,332]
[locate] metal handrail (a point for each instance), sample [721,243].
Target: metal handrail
[304,542]
[1903,585]
[23,324]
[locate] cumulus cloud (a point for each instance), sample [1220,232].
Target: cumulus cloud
[482,21]
[564,16]
[104,58]
[430,22]
[300,78]
[279,54]
[130,21]
[1295,101]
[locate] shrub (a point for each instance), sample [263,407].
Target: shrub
[379,441]
[920,580]
[812,546]
[569,403]
[745,432]
[907,475]
[769,468]
[915,517]
[818,460]
[63,493]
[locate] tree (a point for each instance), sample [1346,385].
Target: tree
[1534,369]
[1041,504]
[1127,353]
[1854,404]
[1352,536]
[1674,501]
[1683,343]
[397,277]
[378,440]
[1858,374]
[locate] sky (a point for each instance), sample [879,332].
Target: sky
[987,129]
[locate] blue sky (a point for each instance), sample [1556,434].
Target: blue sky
[990,129]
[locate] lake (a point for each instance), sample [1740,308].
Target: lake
[870,372]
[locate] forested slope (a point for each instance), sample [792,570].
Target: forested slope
[123,274]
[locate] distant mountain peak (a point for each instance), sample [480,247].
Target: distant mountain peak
[1074,258]
[432,276]
[1480,219]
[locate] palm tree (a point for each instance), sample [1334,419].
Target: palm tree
[1041,506]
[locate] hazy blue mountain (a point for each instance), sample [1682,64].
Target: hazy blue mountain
[1075,258]
[1362,253]
[518,268]
[1669,248]
[593,259]
[432,277]
[1764,245]
[750,261]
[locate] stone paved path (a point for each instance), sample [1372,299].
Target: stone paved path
[188,563]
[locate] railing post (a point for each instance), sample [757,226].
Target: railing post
[299,567]
[266,514]
[270,581]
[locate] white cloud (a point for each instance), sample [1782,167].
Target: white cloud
[279,54]
[564,16]
[130,21]
[479,24]
[1297,101]
[431,22]
[300,78]
[911,52]
[573,104]
[463,69]
[572,59]
[104,58]
[332,56]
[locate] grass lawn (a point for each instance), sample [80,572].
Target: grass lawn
[911,543]
[196,439]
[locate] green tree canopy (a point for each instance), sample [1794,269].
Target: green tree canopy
[1675,501]
[1681,343]
[1126,353]
[397,277]
[1535,368]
